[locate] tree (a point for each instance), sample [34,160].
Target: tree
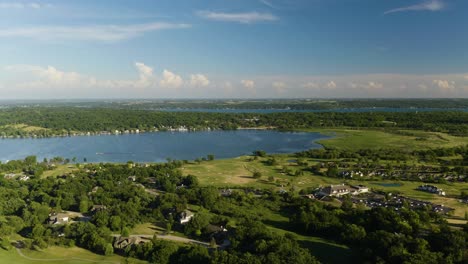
[115,222]
[332,171]
[109,250]
[210,157]
[257,175]
[125,232]
[259,153]
[84,204]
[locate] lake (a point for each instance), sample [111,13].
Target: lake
[158,146]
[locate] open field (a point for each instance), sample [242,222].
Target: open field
[23,127]
[352,139]
[237,172]
[59,170]
[72,255]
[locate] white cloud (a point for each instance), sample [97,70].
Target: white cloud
[93,32]
[170,80]
[31,81]
[19,5]
[331,85]
[199,80]
[374,85]
[48,76]
[245,18]
[427,5]
[249,84]
[445,85]
[267,3]
[147,78]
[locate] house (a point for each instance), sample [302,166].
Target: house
[335,190]
[225,192]
[342,189]
[358,189]
[431,189]
[132,178]
[24,178]
[185,216]
[58,219]
[98,207]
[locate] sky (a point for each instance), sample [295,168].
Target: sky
[233,49]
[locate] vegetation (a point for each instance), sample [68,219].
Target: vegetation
[251,209]
[64,121]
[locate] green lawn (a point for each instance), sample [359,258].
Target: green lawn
[59,170]
[72,255]
[237,172]
[376,139]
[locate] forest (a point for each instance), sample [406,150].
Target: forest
[64,121]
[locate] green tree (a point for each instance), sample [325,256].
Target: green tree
[257,175]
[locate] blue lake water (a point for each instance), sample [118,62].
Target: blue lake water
[157,147]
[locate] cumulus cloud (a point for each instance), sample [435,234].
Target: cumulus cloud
[146,76]
[93,32]
[331,85]
[245,18]
[249,84]
[170,80]
[51,77]
[199,80]
[31,81]
[445,85]
[428,5]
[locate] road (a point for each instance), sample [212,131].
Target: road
[172,238]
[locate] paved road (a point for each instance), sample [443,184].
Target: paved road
[172,238]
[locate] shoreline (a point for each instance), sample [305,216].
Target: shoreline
[130,132]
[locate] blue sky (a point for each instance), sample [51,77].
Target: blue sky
[233,48]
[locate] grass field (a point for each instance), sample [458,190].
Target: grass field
[376,139]
[72,255]
[59,170]
[237,172]
[24,127]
